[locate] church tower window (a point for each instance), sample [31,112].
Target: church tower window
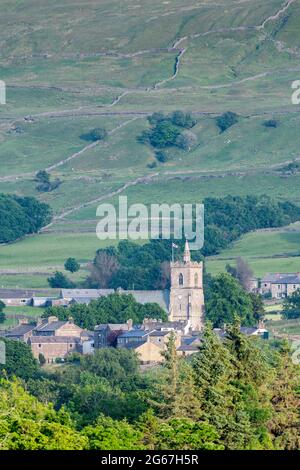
[196,280]
[181,279]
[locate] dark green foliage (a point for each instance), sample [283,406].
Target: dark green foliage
[2,314]
[292,168]
[44,183]
[42,359]
[59,280]
[166,131]
[21,216]
[72,265]
[114,308]
[226,300]
[227,120]
[143,266]
[291,306]
[19,360]
[183,119]
[238,393]
[164,134]
[258,306]
[96,134]
[161,156]
[273,123]
[152,165]
[228,218]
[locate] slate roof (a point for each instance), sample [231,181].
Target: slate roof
[248,330]
[21,330]
[160,297]
[84,293]
[81,300]
[135,334]
[159,333]
[53,326]
[112,326]
[22,293]
[278,278]
[54,339]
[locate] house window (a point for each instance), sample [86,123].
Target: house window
[279,286]
[40,345]
[181,279]
[71,345]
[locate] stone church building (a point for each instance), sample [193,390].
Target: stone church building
[186,295]
[183,302]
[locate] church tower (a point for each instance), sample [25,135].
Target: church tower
[186,296]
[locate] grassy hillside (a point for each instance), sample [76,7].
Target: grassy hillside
[72,67]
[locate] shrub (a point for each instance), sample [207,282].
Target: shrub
[271,123]
[227,120]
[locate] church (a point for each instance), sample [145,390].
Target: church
[185,299]
[186,295]
[183,302]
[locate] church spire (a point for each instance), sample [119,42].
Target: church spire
[187,253]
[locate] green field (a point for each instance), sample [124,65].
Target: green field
[69,69]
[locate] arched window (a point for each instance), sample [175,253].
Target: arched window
[196,280]
[181,279]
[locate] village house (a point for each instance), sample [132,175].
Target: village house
[279,286]
[148,344]
[106,335]
[53,339]
[22,332]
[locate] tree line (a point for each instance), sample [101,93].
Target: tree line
[20,216]
[236,393]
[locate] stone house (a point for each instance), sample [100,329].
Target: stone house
[280,286]
[106,335]
[53,339]
[54,347]
[22,332]
[148,344]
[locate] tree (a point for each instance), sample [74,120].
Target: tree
[174,395]
[72,265]
[2,313]
[284,423]
[273,123]
[113,308]
[104,266]
[258,306]
[21,216]
[42,176]
[26,424]
[242,272]
[44,183]
[291,306]
[183,120]
[226,299]
[107,434]
[59,280]
[98,133]
[19,360]
[42,359]
[227,120]
[187,140]
[186,434]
